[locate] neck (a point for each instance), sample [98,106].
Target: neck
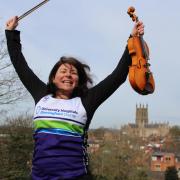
[62,95]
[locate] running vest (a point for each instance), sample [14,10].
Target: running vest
[58,134]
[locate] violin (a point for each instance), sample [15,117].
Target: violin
[140,76]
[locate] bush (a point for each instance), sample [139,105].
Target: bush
[16,148]
[171,173]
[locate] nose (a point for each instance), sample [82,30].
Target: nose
[68,73]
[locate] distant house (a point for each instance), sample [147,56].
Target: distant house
[160,161]
[94,146]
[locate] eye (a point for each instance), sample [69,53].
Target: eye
[74,72]
[62,71]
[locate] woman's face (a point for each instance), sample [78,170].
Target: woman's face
[66,78]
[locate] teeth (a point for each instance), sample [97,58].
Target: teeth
[66,81]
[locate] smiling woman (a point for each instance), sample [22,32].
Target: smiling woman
[64,108]
[68,78]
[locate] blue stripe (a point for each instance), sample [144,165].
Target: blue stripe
[50,117]
[58,131]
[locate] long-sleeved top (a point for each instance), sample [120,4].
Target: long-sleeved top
[59,124]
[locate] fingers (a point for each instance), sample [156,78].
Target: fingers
[140,28]
[12,23]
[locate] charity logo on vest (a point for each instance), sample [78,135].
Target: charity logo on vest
[66,113]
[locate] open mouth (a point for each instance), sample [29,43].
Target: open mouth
[67,82]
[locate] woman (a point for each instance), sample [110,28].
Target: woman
[64,108]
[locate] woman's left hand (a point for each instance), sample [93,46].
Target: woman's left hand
[138,29]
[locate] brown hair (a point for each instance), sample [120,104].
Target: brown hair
[84,77]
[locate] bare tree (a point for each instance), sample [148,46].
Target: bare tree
[11,89]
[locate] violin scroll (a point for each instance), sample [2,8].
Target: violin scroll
[131,12]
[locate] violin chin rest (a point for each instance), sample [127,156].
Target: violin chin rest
[149,89]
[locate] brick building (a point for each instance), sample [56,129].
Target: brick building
[160,161]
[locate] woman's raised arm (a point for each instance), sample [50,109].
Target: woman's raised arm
[33,84]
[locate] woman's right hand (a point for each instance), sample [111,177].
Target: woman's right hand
[12,23]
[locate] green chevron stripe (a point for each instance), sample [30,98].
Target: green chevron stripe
[57,124]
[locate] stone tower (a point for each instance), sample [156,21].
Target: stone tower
[141,115]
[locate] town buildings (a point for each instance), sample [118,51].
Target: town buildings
[160,161]
[142,127]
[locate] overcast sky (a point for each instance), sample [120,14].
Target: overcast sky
[96,32]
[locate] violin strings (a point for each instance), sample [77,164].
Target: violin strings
[33,9]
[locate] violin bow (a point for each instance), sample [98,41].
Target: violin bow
[31,10]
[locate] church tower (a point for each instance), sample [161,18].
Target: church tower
[141,115]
